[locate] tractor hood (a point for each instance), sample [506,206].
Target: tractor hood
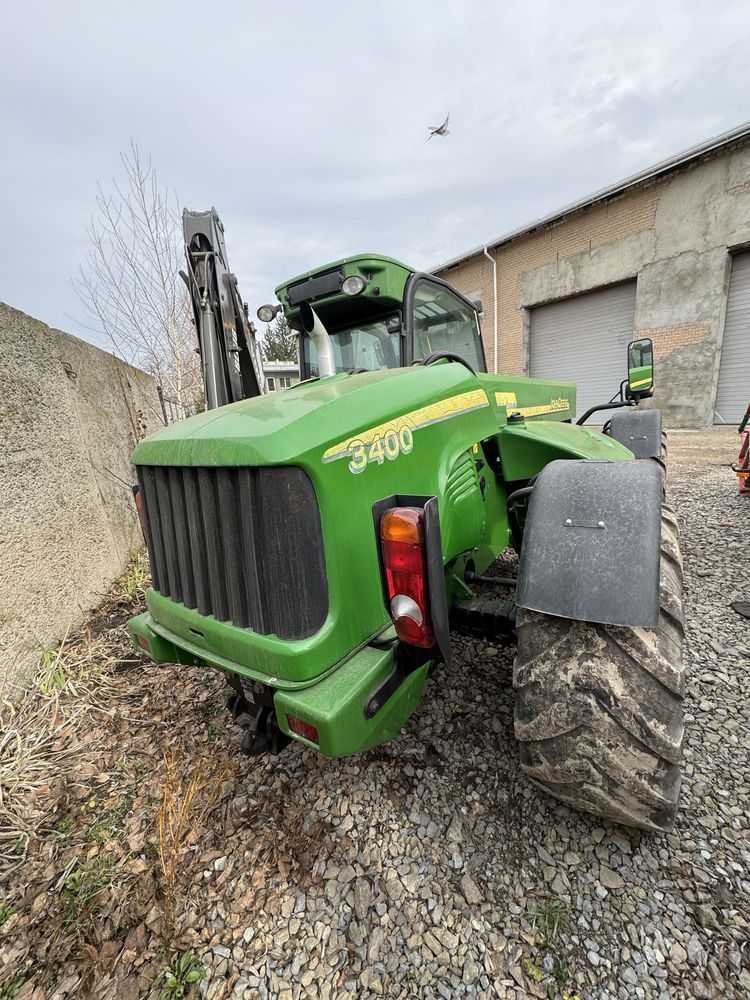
[317,416]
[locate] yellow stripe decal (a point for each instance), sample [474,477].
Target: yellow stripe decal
[641,381]
[508,400]
[505,398]
[423,417]
[554,406]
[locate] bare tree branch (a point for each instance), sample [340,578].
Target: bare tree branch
[129,282]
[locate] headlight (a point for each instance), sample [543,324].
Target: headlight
[353,285]
[266,313]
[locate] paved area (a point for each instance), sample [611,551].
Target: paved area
[428,867]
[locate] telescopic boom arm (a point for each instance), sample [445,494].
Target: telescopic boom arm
[231,363]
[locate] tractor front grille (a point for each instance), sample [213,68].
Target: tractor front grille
[241,544]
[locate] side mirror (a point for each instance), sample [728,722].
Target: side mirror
[640,368]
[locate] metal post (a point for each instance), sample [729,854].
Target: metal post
[494,300]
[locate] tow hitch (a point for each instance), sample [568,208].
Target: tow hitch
[262,733]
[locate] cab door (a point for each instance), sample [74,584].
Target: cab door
[438,318]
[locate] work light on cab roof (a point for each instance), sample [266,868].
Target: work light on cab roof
[267,313]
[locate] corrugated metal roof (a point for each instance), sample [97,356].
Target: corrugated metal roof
[651,173]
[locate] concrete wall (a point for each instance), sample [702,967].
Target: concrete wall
[70,414]
[672,235]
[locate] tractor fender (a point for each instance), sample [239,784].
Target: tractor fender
[591,543]
[639,430]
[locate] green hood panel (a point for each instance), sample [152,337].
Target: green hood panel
[527,446]
[282,428]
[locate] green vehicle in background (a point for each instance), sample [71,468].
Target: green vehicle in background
[319,544]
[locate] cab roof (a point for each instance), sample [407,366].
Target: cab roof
[385,279]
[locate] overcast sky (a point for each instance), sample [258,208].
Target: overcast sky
[304,123]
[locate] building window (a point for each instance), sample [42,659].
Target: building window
[285,382]
[271,383]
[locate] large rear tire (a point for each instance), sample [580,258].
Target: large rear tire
[661,461]
[599,708]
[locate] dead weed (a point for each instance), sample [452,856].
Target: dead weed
[189,795]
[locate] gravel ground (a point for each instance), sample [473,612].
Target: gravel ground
[431,868]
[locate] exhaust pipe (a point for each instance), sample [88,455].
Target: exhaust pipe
[318,334]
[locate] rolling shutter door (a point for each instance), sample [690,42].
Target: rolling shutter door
[733,389]
[584,340]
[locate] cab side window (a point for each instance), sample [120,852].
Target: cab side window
[443,322]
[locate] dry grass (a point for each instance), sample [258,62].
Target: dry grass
[38,734]
[39,747]
[188,796]
[37,744]
[105,837]
[32,750]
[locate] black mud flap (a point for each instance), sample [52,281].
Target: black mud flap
[592,543]
[639,430]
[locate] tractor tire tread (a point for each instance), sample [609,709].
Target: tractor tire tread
[598,709]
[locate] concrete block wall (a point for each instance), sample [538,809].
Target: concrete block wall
[672,235]
[70,415]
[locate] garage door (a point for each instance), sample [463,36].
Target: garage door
[733,390]
[584,340]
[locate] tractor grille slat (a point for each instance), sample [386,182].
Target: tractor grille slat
[184,554]
[242,544]
[197,541]
[230,515]
[145,479]
[169,540]
[214,548]
[250,527]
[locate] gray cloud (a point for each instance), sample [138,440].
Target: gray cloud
[306,124]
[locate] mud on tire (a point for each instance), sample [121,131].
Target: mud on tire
[661,461]
[599,708]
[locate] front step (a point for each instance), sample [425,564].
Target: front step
[489,619]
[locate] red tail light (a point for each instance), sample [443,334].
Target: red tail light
[402,538]
[304,729]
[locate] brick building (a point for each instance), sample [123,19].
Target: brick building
[663,254]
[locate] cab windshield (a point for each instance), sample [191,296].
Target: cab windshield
[371,345]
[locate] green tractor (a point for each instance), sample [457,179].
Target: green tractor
[319,544]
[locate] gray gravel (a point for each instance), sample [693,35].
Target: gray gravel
[431,868]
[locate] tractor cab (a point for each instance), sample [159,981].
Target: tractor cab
[379,313]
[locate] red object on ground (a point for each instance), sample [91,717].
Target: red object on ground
[742,465]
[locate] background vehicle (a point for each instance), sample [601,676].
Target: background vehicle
[318,544]
[741,467]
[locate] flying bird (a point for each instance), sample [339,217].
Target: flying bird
[438,129]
